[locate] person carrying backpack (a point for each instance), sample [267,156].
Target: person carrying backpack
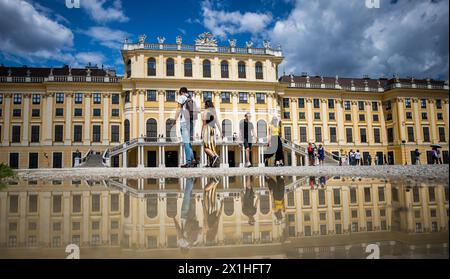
[310,154]
[187,113]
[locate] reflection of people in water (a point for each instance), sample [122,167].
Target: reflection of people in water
[322,181]
[212,209]
[276,187]
[248,201]
[312,182]
[189,231]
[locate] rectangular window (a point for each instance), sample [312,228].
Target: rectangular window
[376,118]
[59,133]
[17,112]
[381,196]
[225,97]
[410,134]
[363,135]
[78,98]
[96,135]
[408,115]
[408,103]
[243,98]
[390,135]
[286,102]
[316,103]
[331,116]
[59,98]
[440,116]
[303,135]
[301,103]
[331,103]
[318,133]
[115,133]
[348,117]
[14,160]
[287,133]
[286,115]
[306,198]
[347,105]
[439,104]
[423,103]
[56,204]
[431,194]
[333,136]
[260,98]
[16,134]
[35,113]
[301,116]
[97,98]
[36,99]
[207,95]
[33,160]
[76,205]
[321,195]
[424,116]
[17,99]
[114,202]
[388,105]
[349,135]
[77,133]
[35,137]
[361,105]
[362,118]
[97,112]
[95,203]
[13,204]
[59,112]
[367,195]
[389,117]
[374,106]
[170,95]
[442,134]
[336,196]
[1,99]
[376,135]
[78,112]
[115,99]
[317,116]
[115,112]
[353,195]
[426,134]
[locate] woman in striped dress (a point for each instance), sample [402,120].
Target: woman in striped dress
[210,122]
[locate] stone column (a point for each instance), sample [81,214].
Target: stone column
[7,119]
[124,159]
[234,95]
[26,119]
[47,119]
[44,218]
[383,129]
[295,136]
[269,102]
[401,122]
[105,217]
[106,113]
[309,118]
[417,121]
[340,122]
[355,118]
[141,109]
[198,123]
[3,214]
[370,138]
[66,217]
[68,130]
[87,119]
[326,138]
[85,224]
[134,118]
[161,121]
[432,118]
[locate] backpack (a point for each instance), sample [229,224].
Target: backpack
[191,108]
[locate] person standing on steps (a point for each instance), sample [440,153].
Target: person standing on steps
[187,113]
[321,154]
[210,121]
[247,134]
[310,154]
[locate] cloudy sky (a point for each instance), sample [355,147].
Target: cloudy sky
[321,37]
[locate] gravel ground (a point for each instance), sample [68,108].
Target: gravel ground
[423,173]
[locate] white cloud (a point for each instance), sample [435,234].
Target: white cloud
[222,23]
[106,36]
[83,58]
[103,11]
[27,33]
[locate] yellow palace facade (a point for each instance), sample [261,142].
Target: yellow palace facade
[63,117]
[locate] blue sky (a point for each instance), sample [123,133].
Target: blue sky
[321,37]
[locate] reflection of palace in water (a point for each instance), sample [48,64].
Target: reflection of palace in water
[138,215]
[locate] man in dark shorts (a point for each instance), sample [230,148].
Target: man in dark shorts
[247,134]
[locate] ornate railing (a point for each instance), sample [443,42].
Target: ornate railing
[93,79]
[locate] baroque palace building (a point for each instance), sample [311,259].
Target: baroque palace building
[64,117]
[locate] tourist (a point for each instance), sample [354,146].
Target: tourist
[310,154]
[189,231]
[417,155]
[369,160]
[439,157]
[275,146]
[434,156]
[351,157]
[321,154]
[186,111]
[210,121]
[249,204]
[322,181]
[247,134]
[315,157]
[212,209]
[276,187]
[357,158]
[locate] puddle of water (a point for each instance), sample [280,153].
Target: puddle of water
[224,217]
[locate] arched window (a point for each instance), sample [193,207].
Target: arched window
[129,68]
[261,129]
[241,70]
[126,126]
[228,206]
[264,204]
[151,67]
[170,67]
[206,68]
[227,128]
[152,129]
[170,131]
[171,209]
[224,69]
[152,206]
[259,70]
[188,68]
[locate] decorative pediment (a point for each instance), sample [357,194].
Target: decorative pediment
[206,39]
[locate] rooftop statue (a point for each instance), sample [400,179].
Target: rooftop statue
[206,39]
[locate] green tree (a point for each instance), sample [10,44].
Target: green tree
[5,171]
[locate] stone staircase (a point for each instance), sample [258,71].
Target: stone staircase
[93,161]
